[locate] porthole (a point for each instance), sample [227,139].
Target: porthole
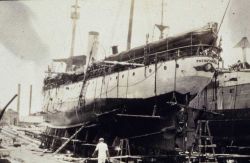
[133,73]
[165,67]
[150,70]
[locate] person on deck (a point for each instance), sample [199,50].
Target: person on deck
[103,152]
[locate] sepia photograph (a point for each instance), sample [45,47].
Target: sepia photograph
[124,81]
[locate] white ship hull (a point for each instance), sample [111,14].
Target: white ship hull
[138,84]
[233,92]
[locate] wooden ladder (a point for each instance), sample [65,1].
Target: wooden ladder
[124,145]
[206,147]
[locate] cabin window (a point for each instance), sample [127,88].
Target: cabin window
[150,70]
[165,67]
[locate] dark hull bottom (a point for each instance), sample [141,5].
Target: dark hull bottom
[90,113]
[231,131]
[117,119]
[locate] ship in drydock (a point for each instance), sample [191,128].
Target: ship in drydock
[154,72]
[228,95]
[120,95]
[230,87]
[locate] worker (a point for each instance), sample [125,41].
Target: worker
[103,152]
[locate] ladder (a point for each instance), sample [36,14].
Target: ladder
[124,145]
[205,145]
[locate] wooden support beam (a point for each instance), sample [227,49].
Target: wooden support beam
[74,135]
[140,116]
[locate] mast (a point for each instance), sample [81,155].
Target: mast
[161,26]
[130,24]
[74,16]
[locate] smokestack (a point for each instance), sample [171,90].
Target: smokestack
[114,49]
[18,100]
[93,44]
[30,102]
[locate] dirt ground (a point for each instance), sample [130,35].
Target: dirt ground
[27,152]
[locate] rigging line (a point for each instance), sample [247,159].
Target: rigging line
[153,34]
[148,11]
[142,79]
[111,89]
[107,88]
[127,83]
[175,72]
[103,82]
[104,50]
[236,88]
[95,95]
[223,16]
[155,86]
[117,85]
[119,10]
[216,91]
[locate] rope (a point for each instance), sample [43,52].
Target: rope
[174,96]
[223,16]
[95,95]
[127,84]
[119,9]
[103,80]
[107,91]
[235,94]
[117,84]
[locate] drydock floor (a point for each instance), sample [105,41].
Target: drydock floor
[26,150]
[16,147]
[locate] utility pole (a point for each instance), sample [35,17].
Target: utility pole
[18,101]
[30,101]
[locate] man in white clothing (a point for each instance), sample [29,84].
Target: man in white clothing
[103,152]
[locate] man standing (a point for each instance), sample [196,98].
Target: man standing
[103,152]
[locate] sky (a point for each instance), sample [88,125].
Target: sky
[32,32]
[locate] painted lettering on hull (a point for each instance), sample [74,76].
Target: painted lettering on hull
[206,61]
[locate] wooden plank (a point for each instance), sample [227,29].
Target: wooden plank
[74,135]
